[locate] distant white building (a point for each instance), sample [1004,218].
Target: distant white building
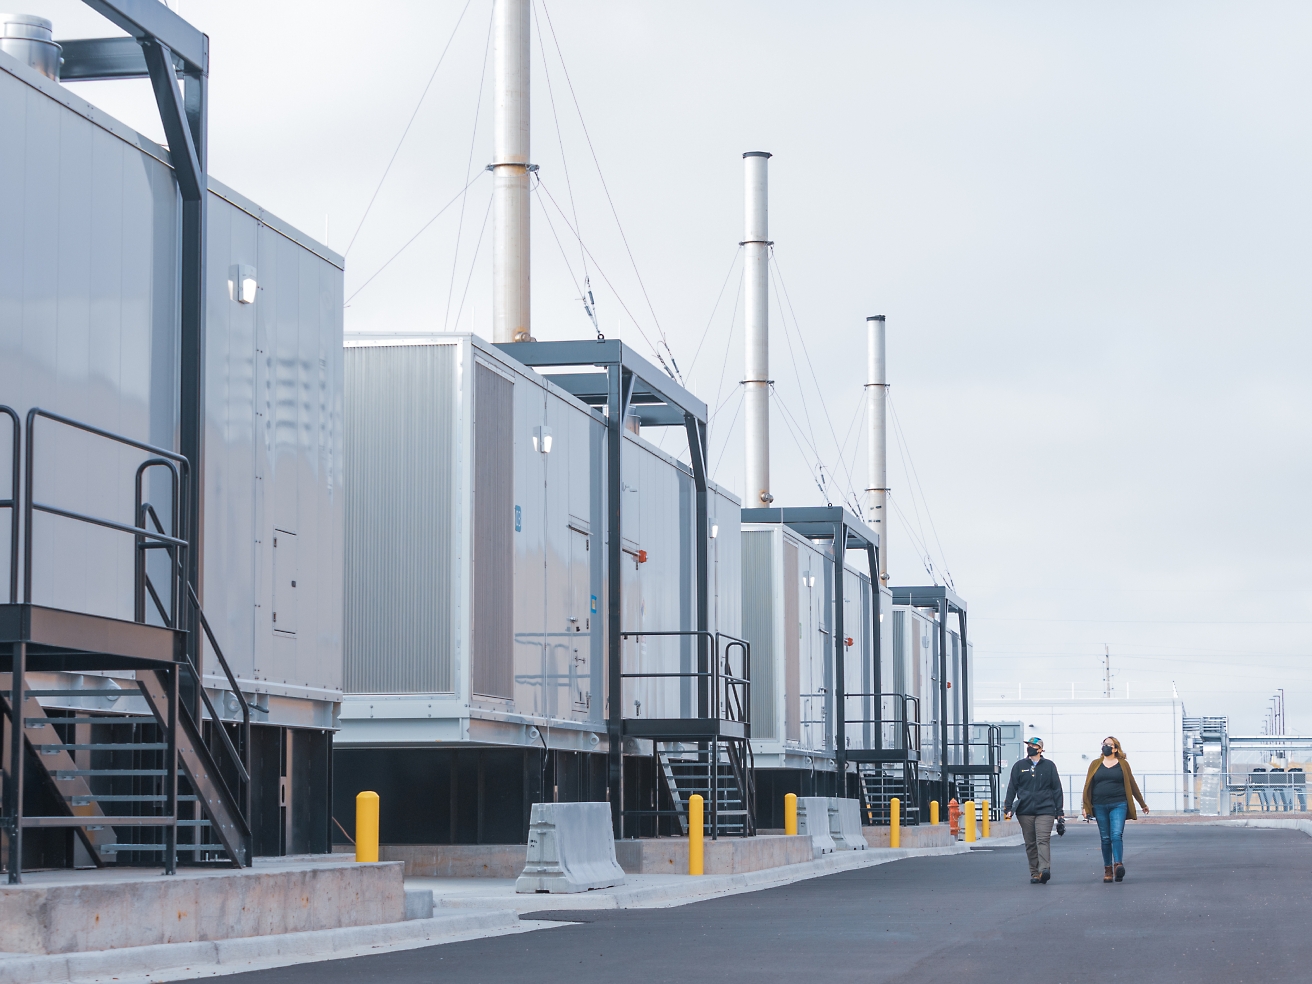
[1149,729]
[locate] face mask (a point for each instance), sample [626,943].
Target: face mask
[1107,749]
[1034,751]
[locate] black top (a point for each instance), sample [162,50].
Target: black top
[1035,788]
[1108,785]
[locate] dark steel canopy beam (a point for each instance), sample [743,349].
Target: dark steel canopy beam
[149,20]
[99,59]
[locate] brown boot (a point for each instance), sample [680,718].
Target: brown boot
[1107,873]
[1120,871]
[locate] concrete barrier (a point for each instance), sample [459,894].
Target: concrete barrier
[845,824]
[924,836]
[813,822]
[571,848]
[69,912]
[725,856]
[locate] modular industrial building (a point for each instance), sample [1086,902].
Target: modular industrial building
[170,369]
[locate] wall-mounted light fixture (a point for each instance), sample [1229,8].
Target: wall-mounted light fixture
[242,284]
[715,530]
[542,440]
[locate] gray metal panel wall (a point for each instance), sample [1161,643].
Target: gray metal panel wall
[492,659]
[400,486]
[88,324]
[758,570]
[273,452]
[792,643]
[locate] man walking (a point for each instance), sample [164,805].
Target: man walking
[1036,794]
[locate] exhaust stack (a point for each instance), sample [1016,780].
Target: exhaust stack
[877,439]
[510,169]
[756,398]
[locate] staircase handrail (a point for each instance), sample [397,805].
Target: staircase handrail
[712,674]
[15,478]
[175,462]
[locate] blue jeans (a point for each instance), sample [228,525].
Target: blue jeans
[1111,825]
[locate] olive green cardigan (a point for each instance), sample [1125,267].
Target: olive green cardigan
[1131,788]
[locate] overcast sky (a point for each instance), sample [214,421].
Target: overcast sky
[1088,226]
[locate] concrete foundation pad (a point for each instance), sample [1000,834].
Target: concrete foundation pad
[456,860]
[190,961]
[724,856]
[658,891]
[67,912]
[925,835]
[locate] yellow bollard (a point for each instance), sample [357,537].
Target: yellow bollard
[933,812]
[968,811]
[695,821]
[790,814]
[985,815]
[895,822]
[366,826]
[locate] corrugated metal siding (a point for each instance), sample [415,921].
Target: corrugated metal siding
[899,652]
[400,433]
[792,644]
[758,627]
[492,666]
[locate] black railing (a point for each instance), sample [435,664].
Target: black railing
[720,688]
[183,611]
[15,479]
[175,463]
[904,720]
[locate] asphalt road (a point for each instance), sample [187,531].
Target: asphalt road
[1200,904]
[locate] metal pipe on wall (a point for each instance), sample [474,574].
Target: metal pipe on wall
[877,441]
[756,398]
[510,170]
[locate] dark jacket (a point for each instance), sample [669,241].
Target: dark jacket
[1132,792]
[1035,787]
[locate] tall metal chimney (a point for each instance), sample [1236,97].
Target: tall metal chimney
[877,440]
[756,399]
[510,168]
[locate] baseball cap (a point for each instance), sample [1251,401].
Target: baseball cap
[1034,740]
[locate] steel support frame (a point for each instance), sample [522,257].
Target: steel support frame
[161,45]
[945,602]
[627,380]
[834,522]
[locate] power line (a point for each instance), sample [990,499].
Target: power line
[473,139]
[564,218]
[720,296]
[406,131]
[474,262]
[421,231]
[913,473]
[611,202]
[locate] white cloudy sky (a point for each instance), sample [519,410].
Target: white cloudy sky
[1088,226]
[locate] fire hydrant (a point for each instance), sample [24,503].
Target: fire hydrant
[954,817]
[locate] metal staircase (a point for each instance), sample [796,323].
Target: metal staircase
[109,733]
[718,775]
[708,753]
[881,784]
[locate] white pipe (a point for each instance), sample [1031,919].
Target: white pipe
[877,439]
[756,398]
[510,170]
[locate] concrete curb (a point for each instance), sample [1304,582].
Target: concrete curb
[1015,840]
[188,961]
[482,917]
[701,888]
[1304,825]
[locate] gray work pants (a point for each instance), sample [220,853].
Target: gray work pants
[1038,841]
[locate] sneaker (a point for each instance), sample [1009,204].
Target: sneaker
[1043,878]
[1035,880]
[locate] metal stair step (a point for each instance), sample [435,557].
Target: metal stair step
[127,746]
[41,722]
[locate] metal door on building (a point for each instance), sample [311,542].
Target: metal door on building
[580,617]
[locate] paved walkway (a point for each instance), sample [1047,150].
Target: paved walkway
[1201,904]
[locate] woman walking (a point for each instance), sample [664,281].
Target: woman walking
[1109,795]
